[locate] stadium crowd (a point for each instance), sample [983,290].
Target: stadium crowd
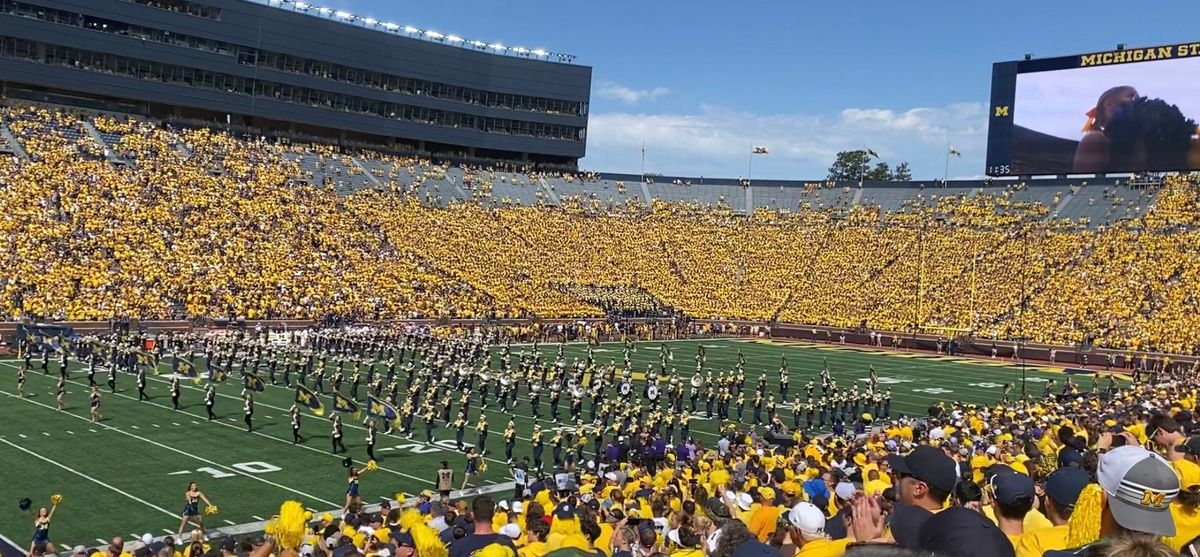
[200,223]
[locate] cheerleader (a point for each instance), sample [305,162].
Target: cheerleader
[473,462]
[41,530]
[60,395]
[21,382]
[191,508]
[95,402]
[352,497]
[175,391]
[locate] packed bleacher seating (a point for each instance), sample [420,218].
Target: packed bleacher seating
[184,222]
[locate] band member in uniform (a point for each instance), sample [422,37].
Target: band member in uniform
[112,377]
[481,428]
[95,402]
[21,382]
[175,391]
[296,438]
[510,439]
[41,530]
[248,409]
[372,435]
[62,363]
[536,440]
[45,361]
[191,508]
[445,480]
[460,425]
[210,398]
[141,384]
[60,395]
[337,435]
[91,374]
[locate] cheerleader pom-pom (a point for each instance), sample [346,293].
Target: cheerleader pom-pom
[211,510]
[308,515]
[56,499]
[482,467]
[400,497]
[371,466]
[292,525]
[25,503]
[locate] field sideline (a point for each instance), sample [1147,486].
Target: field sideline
[126,474]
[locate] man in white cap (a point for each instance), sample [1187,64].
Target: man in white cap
[806,527]
[1138,486]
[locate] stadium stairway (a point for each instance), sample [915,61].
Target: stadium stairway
[550,193]
[9,143]
[1057,209]
[367,173]
[109,152]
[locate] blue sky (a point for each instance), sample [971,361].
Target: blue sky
[701,81]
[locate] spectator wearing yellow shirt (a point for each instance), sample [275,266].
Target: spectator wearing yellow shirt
[1185,509]
[806,523]
[1062,489]
[745,507]
[762,521]
[535,539]
[1012,498]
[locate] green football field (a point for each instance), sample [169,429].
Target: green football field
[126,474]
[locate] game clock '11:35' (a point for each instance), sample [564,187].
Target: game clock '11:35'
[999,170]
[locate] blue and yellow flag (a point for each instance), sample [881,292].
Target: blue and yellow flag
[253,382]
[216,373]
[381,409]
[343,403]
[185,367]
[309,400]
[146,360]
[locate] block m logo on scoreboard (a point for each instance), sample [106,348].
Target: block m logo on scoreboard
[1001,111]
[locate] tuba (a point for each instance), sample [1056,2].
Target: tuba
[697,381]
[578,392]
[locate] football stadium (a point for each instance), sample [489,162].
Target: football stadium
[283,280]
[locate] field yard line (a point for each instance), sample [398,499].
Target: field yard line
[13,544]
[89,478]
[185,453]
[260,434]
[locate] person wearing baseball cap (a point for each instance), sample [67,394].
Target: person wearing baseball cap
[1185,509]
[961,532]
[1061,490]
[1137,487]
[925,477]
[1012,498]
[763,519]
[806,526]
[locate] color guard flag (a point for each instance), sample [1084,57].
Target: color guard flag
[760,151]
[146,359]
[309,400]
[253,382]
[216,373]
[185,367]
[343,403]
[380,409]
[955,152]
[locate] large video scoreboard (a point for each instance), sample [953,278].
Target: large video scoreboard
[1119,111]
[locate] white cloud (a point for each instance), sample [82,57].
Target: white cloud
[716,141]
[617,92]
